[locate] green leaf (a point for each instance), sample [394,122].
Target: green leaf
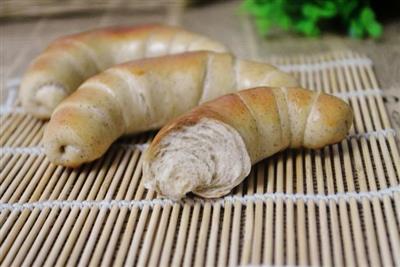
[285,22]
[371,26]
[303,16]
[314,12]
[247,5]
[310,11]
[374,30]
[307,27]
[263,25]
[367,15]
[356,29]
[329,9]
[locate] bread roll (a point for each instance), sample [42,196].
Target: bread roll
[143,95]
[210,150]
[70,60]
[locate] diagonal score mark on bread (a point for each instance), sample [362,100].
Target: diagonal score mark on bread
[70,60]
[150,92]
[209,150]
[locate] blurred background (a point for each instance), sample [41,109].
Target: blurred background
[255,29]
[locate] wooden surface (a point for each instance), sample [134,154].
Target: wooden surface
[336,206]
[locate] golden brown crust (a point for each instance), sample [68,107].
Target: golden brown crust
[301,97]
[174,62]
[113,32]
[145,94]
[256,119]
[329,109]
[70,60]
[328,122]
[332,120]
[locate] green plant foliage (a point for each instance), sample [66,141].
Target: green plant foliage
[306,16]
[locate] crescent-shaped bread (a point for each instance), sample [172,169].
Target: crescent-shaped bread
[143,95]
[70,60]
[210,150]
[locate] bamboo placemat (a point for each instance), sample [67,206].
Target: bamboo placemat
[336,206]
